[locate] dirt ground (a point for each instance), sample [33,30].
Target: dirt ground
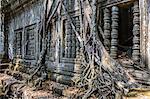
[47,92]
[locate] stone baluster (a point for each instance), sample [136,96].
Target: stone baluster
[107,29]
[114,32]
[136,33]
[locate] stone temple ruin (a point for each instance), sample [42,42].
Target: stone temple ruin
[59,39]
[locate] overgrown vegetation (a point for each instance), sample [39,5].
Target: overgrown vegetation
[102,76]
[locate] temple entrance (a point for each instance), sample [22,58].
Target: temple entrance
[122,30]
[125,36]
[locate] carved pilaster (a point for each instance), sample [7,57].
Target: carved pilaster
[136,33]
[77,41]
[1,33]
[107,29]
[68,41]
[114,32]
[72,48]
[73,45]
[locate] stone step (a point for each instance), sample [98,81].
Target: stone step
[67,80]
[2,70]
[4,65]
[66,67]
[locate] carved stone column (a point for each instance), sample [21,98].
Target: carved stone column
[107,29]
[136,33]
[114,32]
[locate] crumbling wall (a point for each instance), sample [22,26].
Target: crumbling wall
[23,26]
